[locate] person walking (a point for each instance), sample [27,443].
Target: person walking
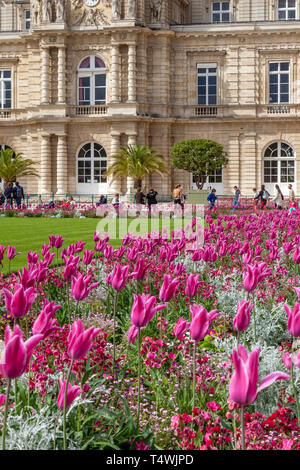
[292,205]
[116,204]
[18,194]
[139,196]
[291,192]
[278,197]
[8,194]
[178,195]
[255,200]
[236,201]
[263,196]
[212,199]
[151,198]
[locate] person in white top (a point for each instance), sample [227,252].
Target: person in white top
[278,198]
[291,192]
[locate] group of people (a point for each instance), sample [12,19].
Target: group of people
[262,196]
[12,193]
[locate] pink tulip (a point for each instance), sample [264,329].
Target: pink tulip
[201,321]
[80,340]
[27,278]
[255,273]
[120,252]
[119,277]
[79,246]
[293,319]
[139,270]
[287,360]
[19,303]
[45,324]
[242,319]
[17,353]
[296,255]
[192,284]
[11,252]
[73,391]
[71,267]
[108,251]
[2,251]
[45,249]
[81,287]
[168,288]
[2,398]
[243,385]
[132,254]
[40,273]
[181,326]
[48,258]
[132,334]
[32,257]
[87,257]
[297,289]
[144,309]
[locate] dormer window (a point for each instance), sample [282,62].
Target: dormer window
[220,12]
[287,9]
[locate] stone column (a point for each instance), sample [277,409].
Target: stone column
[61,75]
[132,72]
[115,73]
[45,172]
[62,165]
[45,72]
[114,186]
[130,181]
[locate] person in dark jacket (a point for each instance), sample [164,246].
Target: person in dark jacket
[139,196]
[18,194]
[212,198]
[151,198]
[2,199]
[8,194]
[263,195]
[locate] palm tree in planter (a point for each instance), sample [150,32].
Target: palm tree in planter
[136,162]
[13,166]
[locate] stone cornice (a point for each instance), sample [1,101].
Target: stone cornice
[206,52]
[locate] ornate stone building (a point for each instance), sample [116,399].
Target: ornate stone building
[80,78]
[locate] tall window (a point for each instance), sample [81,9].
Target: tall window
[220,12]
[287,9]
[27,19]
[279,163]
[279,82]
[207,84]
[5,89]
[91,81]
[91,163]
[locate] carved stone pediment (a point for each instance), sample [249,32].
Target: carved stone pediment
[90,13]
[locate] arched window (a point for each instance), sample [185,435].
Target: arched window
[279,164]
[91,81]
[91,166]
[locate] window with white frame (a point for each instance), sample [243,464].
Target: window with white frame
[287,9]
[27,19]
[220,12]
[91,81]
[5,89]
[91,163]
[279,82]
[216,176]
[279,163]
[207,84]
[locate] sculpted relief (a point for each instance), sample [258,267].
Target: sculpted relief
[156,6]
[90,12]
[48,11]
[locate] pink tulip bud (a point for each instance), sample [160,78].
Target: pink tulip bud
[87,257]
[139,270]
[108,251]
[293,319]
[132,334]
[132,254]
[168,288]
[287,360]
[80,340]
[192,284]
[19,303]
[2,251]
[81,287]
[242,319]
[11,252]
[73,391]
[79,246]
[243,385]
[181,326]
[32,257]
[17,353]
[201,321]
[120,252]
[27,278]
[2,399]
[119,277]
[143,309]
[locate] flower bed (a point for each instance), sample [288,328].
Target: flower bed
[158,344]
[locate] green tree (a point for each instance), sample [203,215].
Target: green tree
[199,157]
[13,166]
[136,162]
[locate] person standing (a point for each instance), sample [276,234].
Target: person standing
[8,194]
[212,198]
[236,201]
[151,198]
[291,192]
[178,195]
[278,198]
[263,196]
[18,194]
[139,196]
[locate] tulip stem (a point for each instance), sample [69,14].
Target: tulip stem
[194,375]
[243,426]
[139,382]
[65,405]
[5,414]
[294,389]
[114,331]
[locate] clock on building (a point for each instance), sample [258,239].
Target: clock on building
[91,3]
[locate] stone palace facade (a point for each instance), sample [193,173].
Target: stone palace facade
[81,78]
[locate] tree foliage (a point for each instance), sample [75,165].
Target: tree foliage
[137,162]
[199,157]
[14,166]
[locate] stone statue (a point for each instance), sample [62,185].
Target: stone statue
[132,9]
[91,17]
[116,9]
[36,11]
[60,10]
[47,10]
[156,9]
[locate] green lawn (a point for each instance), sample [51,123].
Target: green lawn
[30,234]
